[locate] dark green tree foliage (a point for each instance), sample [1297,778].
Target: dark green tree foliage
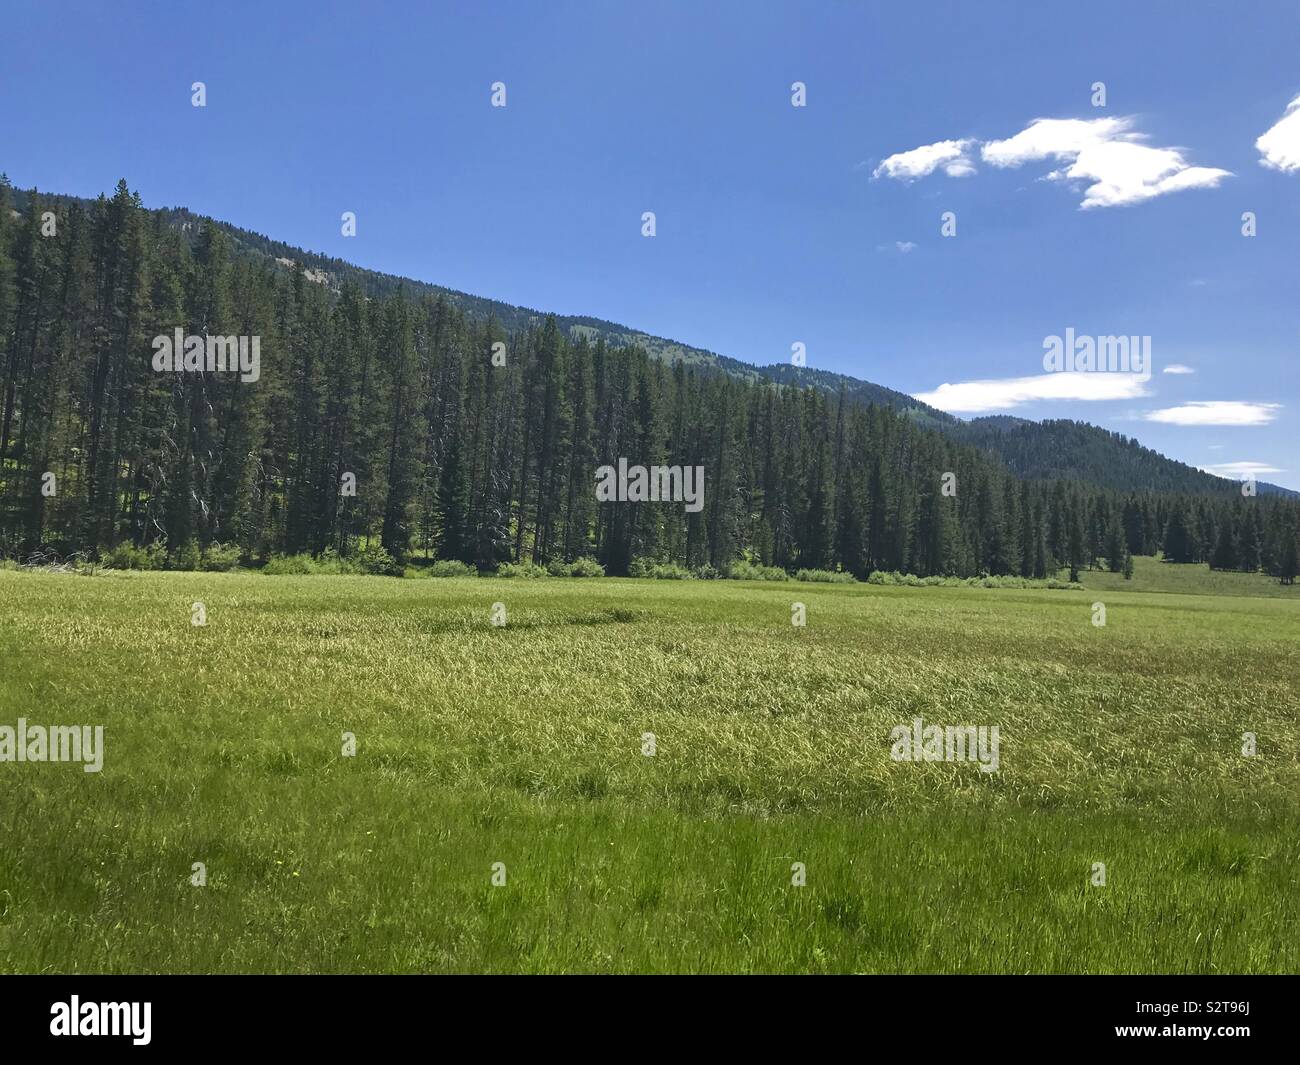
[1286,565]
[1180,544]
[456,536]
[1227,549]
[386,418]
[1116,545]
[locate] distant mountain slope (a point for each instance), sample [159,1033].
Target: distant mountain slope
[374,283]
[1063,448]
[1073,450]
[334,273]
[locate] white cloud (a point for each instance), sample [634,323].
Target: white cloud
[908,166]
[1105,154]
[981,397]
[1280,145]
[1177,367]
[1054,138]
[905,245]
[1216,412]
[1239,471]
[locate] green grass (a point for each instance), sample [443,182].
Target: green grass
[1153,575]
[522,745]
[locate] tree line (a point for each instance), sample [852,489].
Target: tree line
[399,421]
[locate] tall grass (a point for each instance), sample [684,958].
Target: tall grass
[522,744]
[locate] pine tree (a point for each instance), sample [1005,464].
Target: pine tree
[1225,549]
[403,431]
[1178,543]
[1250,549]
[1287,559]
[456,537]
[1116,547]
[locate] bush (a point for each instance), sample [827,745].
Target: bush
[706,573]
[744,570]
[450,567]
[127,556]
[825,576]
[530,570]
[892,577]
[221,558]
[671,571]
[330,561]
[376,561]
[188,557]
[583,567]
[659,571]
[289,566]
[640,567]
[984,580]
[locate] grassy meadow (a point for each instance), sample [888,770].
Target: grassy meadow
[522,744]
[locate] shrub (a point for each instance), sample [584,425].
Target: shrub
[221,558]
[289,566]
[586,567]
[127,556]
[660,571]
[530,570]
[744,570]
[671,571]
[664,571]
[330,561]
[188,557]
[911,580]
[706,573]
[376,561]
[450,567]
[557,568]
[984,580]
[825,576]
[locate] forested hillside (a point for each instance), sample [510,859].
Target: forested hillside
[1062,448]
[1052,449]
[336,273]
[469,437]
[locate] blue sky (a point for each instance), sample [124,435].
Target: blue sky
[775,224]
